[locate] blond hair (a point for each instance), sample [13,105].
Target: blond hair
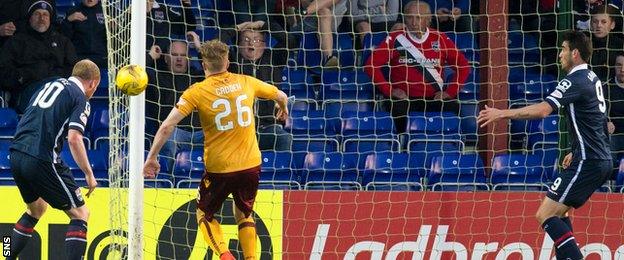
[86,70]
[214,55]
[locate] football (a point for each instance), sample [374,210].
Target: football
[131,80]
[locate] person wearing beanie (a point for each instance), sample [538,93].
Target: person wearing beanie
[33,55]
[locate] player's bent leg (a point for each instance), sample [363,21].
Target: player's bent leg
[549,215]
[24,227]
[213,235]
[246,233]
[76,236]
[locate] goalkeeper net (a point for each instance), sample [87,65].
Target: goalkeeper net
[343,177]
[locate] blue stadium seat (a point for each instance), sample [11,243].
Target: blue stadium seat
[315,144]
[188,165]
[310,56]
[298,83]
[365,132]
[619,179]
[336,108]
[418,164]
[467,43]
[310,124]
[99,123]
[330,171]
[516,171]
[434,132]
[543,131]
[549,158]
[455,172]
[468,125]
[6,177]
[344,49]
[8,122]
[278,171]
[344,84]
[522,48]
[525,84]
[371,40]
[303,105]
[390,171]
[5,143]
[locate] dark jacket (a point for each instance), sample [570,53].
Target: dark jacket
[163,92]
[29,57]
[167,21]
[603,58]
[614,95]
[16,11]
[268,68]
[89,36]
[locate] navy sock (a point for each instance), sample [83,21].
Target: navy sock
[565,244]
[76,239]
[22,232]
[568,223]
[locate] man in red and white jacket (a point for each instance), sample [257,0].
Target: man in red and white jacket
[417,56]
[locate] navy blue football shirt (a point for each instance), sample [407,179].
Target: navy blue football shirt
[580,92]
[60,105]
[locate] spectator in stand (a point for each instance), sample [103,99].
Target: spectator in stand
[253,56]
[374,16]
[165,22]
[34,55]
[614,93]
[166,88]
[323,16]
[582,10]
[417,57]
[452,15]
[606,45]
[14,17]
[84,26]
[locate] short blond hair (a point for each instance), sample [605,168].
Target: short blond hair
[214,55]
[86,70]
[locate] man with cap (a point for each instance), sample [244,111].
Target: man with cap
[34,55]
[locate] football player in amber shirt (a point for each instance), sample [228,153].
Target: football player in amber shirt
[231,155]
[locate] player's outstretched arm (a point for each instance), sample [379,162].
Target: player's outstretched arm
[78,151]
[282,102]
[151,167]
[535,111]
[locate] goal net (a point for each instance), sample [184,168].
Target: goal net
[349,175]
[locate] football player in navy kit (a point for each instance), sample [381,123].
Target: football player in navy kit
[588,166]
[59,109]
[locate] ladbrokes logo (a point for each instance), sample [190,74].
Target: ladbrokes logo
[440,245]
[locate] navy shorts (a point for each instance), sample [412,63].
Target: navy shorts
[37,178]
[577,183]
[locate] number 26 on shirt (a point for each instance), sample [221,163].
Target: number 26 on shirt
[243,113]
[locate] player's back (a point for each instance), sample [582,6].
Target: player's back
[58,106]
[587,117]
[225,103]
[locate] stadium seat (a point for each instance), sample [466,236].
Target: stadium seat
[371,40]
[6,177]
[522,48]
[434,132]
[188,165]
[549,158]
[344,50]
[99,123]
[310,124]
[303,105]
[390,171]
[516,171]
[467,43]
[619,179]
[336,108]
[330,171]
[310,56]
[5,143]
[543,131]
[368,131]
[8,122]
[315,144]
[527,85]
[457,172]
[343,85]
[298,83]
[278,171]
[468,125]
